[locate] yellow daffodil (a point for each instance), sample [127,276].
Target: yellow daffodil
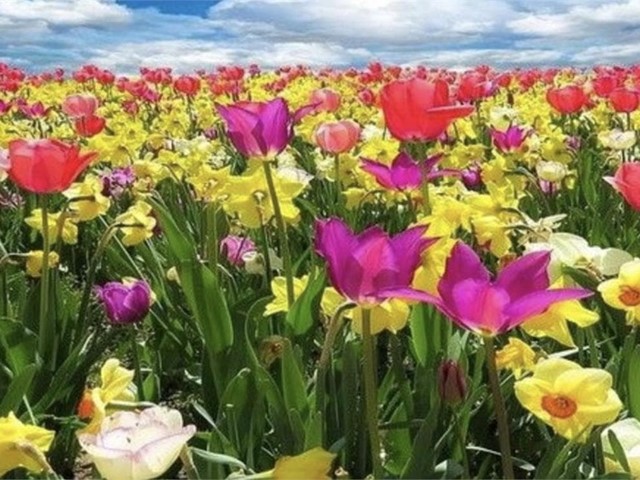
[86,199]
[279,290]
[34,262]
[623,292]
[314,464]
[57,223]
[136,224]
[516,356]
[115,384]
[569,398]
[23,445]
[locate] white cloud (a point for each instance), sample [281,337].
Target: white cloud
[189,55]
[64,12]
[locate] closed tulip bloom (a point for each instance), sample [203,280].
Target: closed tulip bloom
[125,303]
[81,105]
[89,126]
[452,384]
[325,100]
[624,100]
[260,129]
[187,85]
[46,166]
[137,445]
[371,267]
[417,109]
[337,137]
[476,302]
[627,182]
[566,100]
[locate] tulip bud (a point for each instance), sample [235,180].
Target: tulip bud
[337,137]
[472,177]
[326,100]
[452,384]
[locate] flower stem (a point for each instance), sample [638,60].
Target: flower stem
[282,233]
[371,393]
[46,330]
[325,357]
[136,364]
[500,409]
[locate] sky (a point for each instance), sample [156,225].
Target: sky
[123,35]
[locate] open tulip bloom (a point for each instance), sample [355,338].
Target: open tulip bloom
[372,267]
[476,302]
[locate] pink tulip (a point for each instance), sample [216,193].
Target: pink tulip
[79,106]
[337,137]
[326,100]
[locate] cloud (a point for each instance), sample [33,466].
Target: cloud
[42,34]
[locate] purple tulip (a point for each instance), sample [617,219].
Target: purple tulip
[235,248]
[260,129]
[470,298]
[371,267]
[405,173]
[115,182]
[125,303]
[509,140]
[472,177]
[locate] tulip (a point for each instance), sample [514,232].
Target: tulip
[405,173]
[259,129]
[77,106]
[452,384]
[325,100]
[46,166]
[5,164]
[89,126]
[472,177]
[235,248]
[627,182]
[509,140]
[566,100]
[187,84]
[125,303]
[137,446]
[624,100]
[337,137]
[420,110]
[471,299]
[371,267]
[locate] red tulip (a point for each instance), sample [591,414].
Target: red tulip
[417,109]
[187,85]
[82,105]
[569,99]
[337,137]
[627,182]
[46,166]
[89,126]
[325,99]
[624,100]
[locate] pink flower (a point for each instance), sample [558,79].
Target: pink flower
[337,137]
[235,248]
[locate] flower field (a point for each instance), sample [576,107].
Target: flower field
[386,272]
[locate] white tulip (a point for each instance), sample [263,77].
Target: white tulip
[137,446]
[5,164]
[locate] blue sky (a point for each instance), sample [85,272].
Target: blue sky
[190,34]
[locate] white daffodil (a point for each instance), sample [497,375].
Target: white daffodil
[137,446]
[628,434]
[574,251]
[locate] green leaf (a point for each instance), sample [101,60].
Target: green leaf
[17,390]
[305,309]
[293,384]
[618,451]
[633,386]
[218,458]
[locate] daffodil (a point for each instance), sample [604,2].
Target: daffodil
[34,262]
[569,398]
[279,289]
[86,199]
[516,356]
[57,223]
[115,384]
[136,224]
[314,464]
[23,445]
[623,292]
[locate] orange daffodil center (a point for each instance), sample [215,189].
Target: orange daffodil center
[559,406]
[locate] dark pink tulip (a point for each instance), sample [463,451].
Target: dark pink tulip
[235,247]
[78,106]
[510,140]
[471,299]
[371,267]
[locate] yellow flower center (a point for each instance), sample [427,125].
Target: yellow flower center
[630,296]
[559,406]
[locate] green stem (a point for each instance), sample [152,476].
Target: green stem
[282,233]
[46,330]
[136,364]
[336,174]
[462,443]
[325,357]
[500,409]
[371,393]
[426,201]
[212,251]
